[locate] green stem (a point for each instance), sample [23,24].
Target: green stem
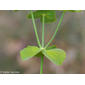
[56,30]
[43,31]
[41,67]
[35,29]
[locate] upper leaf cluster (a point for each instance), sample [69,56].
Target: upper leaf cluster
[50,15]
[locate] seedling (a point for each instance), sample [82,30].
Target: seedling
[55,55]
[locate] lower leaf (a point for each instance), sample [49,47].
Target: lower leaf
[29,52]
[57,56]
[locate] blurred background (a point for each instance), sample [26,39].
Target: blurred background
[16,32]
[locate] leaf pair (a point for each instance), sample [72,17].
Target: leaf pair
[55,55]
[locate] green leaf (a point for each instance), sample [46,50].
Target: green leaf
[50,15]
[57,56]
[39,54]
[72,10]
[15,10]
[29,52]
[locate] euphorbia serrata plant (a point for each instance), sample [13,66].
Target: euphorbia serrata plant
[55,55]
